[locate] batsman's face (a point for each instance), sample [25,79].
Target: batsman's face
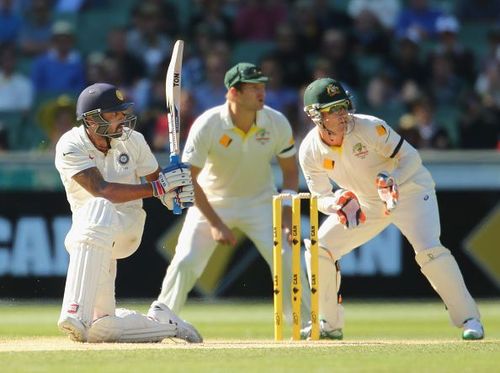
[116,121]
[252,95]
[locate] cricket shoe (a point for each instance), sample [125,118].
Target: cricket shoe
[325,331]
[74,328]
[160,312]
[473,330]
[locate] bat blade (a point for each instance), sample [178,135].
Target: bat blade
[173,98]
[173,102]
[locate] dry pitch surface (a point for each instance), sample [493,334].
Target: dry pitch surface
[63,344]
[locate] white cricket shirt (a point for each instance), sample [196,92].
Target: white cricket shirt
[369,148]
[236,165]
[125,163]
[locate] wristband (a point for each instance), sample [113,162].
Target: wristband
[157,188]
[286,201]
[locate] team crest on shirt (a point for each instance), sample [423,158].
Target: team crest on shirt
[263,136]
[359,150]
[123,159]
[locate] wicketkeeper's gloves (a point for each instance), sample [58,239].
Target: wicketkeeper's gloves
[387,191]
[348,209]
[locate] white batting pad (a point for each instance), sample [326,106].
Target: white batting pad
[329,282]
[89,244]
[84,272]
[441,269]
[129,327]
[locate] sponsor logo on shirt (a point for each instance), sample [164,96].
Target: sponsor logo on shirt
[262,136]
[329,164]
[359,150]
[123,158]
[225,141]
[73,308]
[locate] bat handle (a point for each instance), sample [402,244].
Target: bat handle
[174,162]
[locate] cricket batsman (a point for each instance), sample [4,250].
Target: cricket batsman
[100,163]
[382,181]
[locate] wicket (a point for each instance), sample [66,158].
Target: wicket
[278,266]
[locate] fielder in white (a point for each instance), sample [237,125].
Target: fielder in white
[382,181]
[101,163]
[230,148]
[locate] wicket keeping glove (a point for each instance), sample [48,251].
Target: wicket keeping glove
[387,191]
[174,184]
[348,209]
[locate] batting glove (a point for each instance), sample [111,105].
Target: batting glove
[387,191]
[174,184]
[348,209]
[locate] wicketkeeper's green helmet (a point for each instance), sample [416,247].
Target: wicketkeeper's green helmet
[324,93]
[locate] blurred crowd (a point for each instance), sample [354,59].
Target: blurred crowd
[431,69]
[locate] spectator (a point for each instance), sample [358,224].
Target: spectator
[16,90]
[36,31]
[161,141]
[10,22]
[132,67]
[212,91]
[279,94]
[479,127]
[479,10]
[337,48]
[145,40]
[369,36]
[60,70]
[418,17]
[4,142]
[382,91]
[421,128]
[259,19]
[461,58]
[193,66]
[308,27]
[405,61]
[290,57]
[488,85]
[329,16]
[214,20]
[386,11]
[55,117]
[442,84]
[168,16]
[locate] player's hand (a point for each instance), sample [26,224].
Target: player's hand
[348,209]
[172,178]
[175,184]
[184,196]
[387,191]
[223,235]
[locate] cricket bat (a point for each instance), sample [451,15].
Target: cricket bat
[173,101]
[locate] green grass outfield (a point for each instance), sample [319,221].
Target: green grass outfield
[379,337]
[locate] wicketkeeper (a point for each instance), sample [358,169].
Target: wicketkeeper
[382,181]
[100,163]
